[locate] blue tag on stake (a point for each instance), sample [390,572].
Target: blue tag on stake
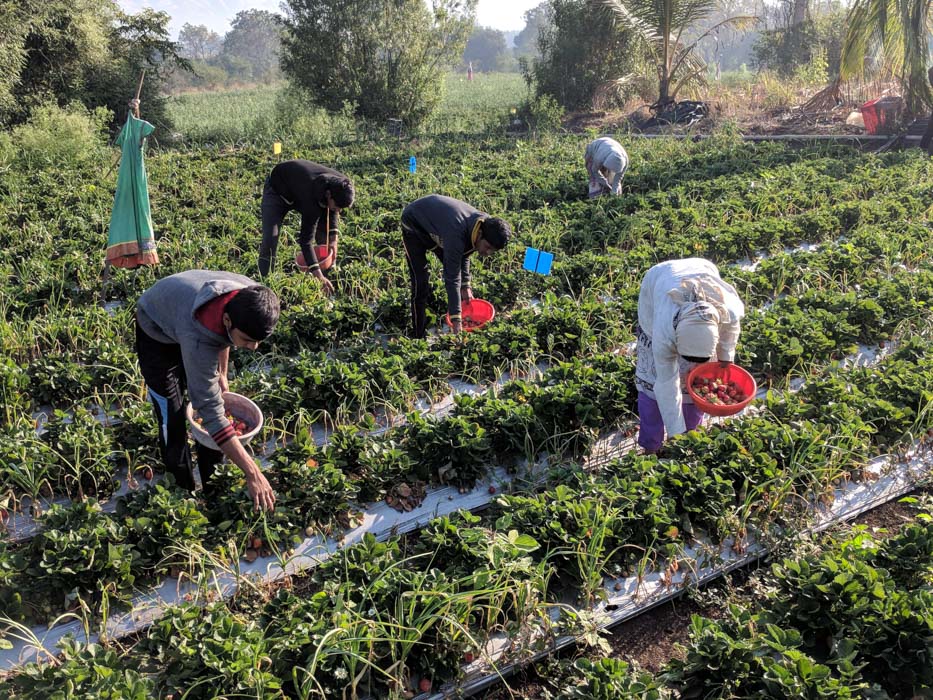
[412,164]
[538,261]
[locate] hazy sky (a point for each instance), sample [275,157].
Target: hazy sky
[216,14]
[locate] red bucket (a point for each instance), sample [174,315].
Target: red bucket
[475,314]
[733,376]
[324,257]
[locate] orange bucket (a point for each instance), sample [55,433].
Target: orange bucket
[475,314]
[325,258]
[731,373]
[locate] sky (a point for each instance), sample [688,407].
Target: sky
[216,14]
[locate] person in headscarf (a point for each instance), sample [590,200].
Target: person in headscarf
[687,315]
[185,326]
[605,158]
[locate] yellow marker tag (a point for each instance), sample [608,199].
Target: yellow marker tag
[276,148]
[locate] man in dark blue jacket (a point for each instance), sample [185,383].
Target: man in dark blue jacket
[452,230]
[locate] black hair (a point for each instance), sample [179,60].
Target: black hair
[254,311]
[496,232]
[341,189]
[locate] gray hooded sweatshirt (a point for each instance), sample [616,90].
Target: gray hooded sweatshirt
[166,312]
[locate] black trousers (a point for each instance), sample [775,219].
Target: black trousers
[164,371]
[417,258]
[927,140]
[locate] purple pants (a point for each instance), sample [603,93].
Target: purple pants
[651,428]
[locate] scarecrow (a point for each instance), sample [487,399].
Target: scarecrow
[131,243]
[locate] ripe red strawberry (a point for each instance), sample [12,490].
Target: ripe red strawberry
[425,685]
[147,474]
[492,489]
[468,657]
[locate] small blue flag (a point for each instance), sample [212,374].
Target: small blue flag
[412,164]
[538,261]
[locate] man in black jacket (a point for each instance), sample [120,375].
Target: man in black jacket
[452,230]
[319,193]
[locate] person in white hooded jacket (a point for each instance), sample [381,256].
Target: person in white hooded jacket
[686,315]
[605,158]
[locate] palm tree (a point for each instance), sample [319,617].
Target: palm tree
[660,25]
[897,32]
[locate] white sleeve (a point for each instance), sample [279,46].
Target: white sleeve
[728,339]
[667,386]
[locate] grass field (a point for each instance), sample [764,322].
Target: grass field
[266,113]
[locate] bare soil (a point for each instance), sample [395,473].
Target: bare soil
[772,122]
[650,640]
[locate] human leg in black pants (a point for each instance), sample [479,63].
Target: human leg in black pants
[164,371]
[273,210]
[418,273]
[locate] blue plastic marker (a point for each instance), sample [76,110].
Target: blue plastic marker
[531,259]
[412,164]
[538,261]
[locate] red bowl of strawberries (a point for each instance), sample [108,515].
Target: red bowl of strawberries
[721,388]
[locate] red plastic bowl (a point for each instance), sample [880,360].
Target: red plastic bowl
[325,260]
[729,373]
[475,314]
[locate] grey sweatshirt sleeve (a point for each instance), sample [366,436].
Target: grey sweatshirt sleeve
[202,369]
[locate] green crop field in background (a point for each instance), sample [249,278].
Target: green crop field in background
[270,112]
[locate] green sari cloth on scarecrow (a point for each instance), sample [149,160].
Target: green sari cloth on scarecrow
[132,242]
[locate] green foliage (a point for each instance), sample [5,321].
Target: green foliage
[87,51]
[56,137]
[80,552]
[211,651]
[809,50]
[385,57]
[610,679]
[739,656]
[83,671]
[159,520]
[579,52]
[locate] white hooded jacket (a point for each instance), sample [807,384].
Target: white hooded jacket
[659,299]
[608,154]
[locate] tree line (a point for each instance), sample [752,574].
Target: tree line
[386,59]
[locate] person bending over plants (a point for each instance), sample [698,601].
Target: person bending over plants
[452,230]
[686,314]
[605,158]
[185,327]
[319,194]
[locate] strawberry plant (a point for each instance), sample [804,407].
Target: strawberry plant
[158,521]
[210,651]
[453,450]
[738,655]
[83,449]
[79,552]
[83,671]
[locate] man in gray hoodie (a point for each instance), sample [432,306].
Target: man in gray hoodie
[185,327]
